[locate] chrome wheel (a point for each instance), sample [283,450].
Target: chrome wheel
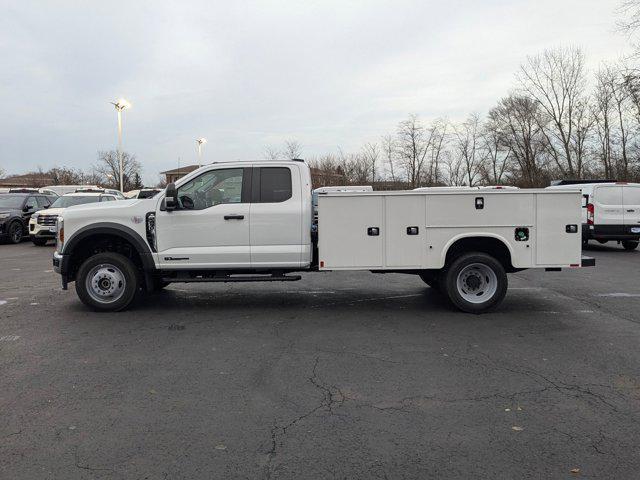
[477,283]
[105,283]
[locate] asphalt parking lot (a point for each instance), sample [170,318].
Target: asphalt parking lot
[340,375]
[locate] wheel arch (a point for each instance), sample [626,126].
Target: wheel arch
[486,242]
[108,237]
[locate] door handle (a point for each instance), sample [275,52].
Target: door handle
[630,211]
[234,217]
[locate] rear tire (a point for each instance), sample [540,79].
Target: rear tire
[475,282]
[40,242]
[16,232]
[630,245]
[107,282]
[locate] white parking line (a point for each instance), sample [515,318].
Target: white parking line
[9,338]
[619,295]
[2,302]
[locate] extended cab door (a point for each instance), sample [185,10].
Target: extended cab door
[276,217]
[210,227]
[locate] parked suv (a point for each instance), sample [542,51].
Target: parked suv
[42,225]
[15,211]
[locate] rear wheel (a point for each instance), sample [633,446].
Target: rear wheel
[630,244]
[39,241]
[475,282]
[16,232]
[107,282]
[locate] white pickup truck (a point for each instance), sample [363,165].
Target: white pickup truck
[251,221]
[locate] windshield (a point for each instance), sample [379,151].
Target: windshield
[11,201]
[64,202]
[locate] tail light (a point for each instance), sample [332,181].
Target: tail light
[590,210]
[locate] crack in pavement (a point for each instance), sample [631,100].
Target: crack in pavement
[331,396]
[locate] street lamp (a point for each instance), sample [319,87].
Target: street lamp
[200,141]
[120,104]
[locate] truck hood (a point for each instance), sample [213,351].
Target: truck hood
[11,211]
[120,210]
[50,211]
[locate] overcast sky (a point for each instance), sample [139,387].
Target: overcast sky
[246,75]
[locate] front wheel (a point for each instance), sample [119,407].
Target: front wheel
[107,282]
[475,282]
[630,244]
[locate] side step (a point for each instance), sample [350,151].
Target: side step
[232,278]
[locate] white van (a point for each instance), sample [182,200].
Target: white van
[610,211]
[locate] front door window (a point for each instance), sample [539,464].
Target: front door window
[212,188]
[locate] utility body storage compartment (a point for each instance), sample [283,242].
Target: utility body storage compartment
[414,230]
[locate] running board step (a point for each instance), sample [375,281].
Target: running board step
[233,278]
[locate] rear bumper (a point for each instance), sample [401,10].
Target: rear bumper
[610,232]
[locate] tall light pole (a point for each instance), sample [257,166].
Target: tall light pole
[120,104]
[200,141]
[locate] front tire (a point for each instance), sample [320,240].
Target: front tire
[107,282]
[16,232]
[630,245]
[475,282]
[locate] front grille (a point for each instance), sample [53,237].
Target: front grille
[48,220]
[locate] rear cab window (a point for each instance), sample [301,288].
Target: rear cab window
[275,184]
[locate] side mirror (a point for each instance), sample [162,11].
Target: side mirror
[47,206]
[171,197]
[27,208]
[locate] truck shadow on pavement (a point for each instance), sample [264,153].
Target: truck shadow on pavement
[422,303]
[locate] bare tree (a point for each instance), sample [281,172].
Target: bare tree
[516,124]
[436,144]
[108,168]
[468,148]
[271,153]
[604,116]
[454,169]
[496,156]
[370,155]
[629,16]
[413,144]
[389,147]
[2,173]
[556,80]
[292,149]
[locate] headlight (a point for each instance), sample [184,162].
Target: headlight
[34,217]
[59,234]
[151,231]
[5,215]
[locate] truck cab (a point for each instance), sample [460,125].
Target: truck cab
[238,217]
